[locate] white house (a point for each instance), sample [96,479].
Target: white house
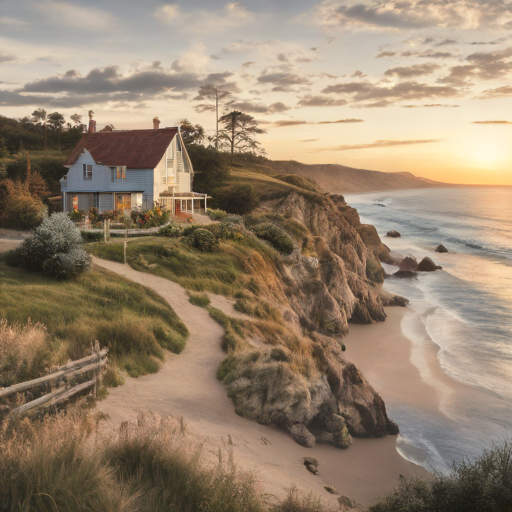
[123,170]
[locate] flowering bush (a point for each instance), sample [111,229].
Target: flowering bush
[150,218]
[56,249]
[19,209]
[76,215]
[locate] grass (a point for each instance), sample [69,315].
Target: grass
[154,465]
[202,300]
[135,323]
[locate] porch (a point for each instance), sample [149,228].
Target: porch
[184,203]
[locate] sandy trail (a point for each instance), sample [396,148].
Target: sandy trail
[187,386]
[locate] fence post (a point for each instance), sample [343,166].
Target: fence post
[125,245]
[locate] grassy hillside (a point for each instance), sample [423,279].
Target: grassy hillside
[135,323]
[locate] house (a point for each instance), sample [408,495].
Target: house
[132,169]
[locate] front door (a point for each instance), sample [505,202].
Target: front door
[177,210]
[123,202]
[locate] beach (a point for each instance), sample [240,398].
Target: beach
[186,386]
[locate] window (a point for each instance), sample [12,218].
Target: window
[118,173]
[87,172]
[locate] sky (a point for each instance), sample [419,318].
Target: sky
[423,86]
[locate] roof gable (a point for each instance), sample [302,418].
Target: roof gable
[136,149]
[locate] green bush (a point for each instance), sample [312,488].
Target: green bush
[277,237]
[76,215]
[20,210]
[91,236]
[216,214]
[55,248]
[203,240]
[482,485]
[171,231]
[202,301]
[239,199]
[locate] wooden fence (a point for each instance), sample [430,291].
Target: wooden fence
[64,378]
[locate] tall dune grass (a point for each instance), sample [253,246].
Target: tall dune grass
[73,463]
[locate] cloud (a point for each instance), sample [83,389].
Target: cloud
[232,15]
[287,122]
[385,54]
[7,58]
[381,144]
[282,78]
[308,140]
[430,106]
[321,101]
[258,108]
[412,14]
[492,122]
[342,121]
[12,22]
[412,71]
[248,63]
[381,96]
[499,92]
[88,18]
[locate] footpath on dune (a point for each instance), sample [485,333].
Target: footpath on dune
[186,386]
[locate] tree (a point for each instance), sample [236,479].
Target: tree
[76,118]
[239,199]
[56,121]
[238,133]
[39,116]
[191,134]
[211,92]
[210,170]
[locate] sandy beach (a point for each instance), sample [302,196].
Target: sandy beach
[186,386]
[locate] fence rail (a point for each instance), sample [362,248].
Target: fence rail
[63,377]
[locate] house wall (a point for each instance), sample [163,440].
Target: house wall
[137,180]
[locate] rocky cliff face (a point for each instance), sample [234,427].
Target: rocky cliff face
[332,278]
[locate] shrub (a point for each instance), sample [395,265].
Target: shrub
[273,234]
[202,301]
[67,265]
[91,236]
[56,248]
[20,210]
[239,199]
[171,231]
[76,215]
[203,240]
[216,214]
[482,485]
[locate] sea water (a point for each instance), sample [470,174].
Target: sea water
[465,309]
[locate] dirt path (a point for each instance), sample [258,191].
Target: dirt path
[186,386]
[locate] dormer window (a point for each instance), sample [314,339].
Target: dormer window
[118,173]
[87,171]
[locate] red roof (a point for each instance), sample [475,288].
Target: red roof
[136,149]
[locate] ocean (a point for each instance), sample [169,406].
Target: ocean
[464,310]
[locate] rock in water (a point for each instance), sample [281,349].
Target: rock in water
[441,248]
[393,234]
[311,460]
[409,263]
[408,274]
[427,265]
[302,435]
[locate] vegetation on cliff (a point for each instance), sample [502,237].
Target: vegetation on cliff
[299,268]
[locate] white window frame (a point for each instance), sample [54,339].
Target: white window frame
[87,169]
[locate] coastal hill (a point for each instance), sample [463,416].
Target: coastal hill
[340,179]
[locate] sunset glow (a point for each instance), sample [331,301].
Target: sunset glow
[329,81]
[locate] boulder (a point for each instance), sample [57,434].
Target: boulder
[312,468]
[393,234]
[407,274]
[310,460]
[441,248]
[302,435]
[409,263]
[427,265]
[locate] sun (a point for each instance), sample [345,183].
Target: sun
[488,154]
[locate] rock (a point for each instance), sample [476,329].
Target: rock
[390,299]
[372,240]
[302,435]
[311,461]
[312,468]
[407,274]
[409,263]
[331,489]
[393,234]
[345,503]
[427,265]
[392,428]
[441,248]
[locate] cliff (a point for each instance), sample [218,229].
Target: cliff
[299,379]
[340,179]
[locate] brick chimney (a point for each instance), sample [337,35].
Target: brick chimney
[156,123]
[92,123]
